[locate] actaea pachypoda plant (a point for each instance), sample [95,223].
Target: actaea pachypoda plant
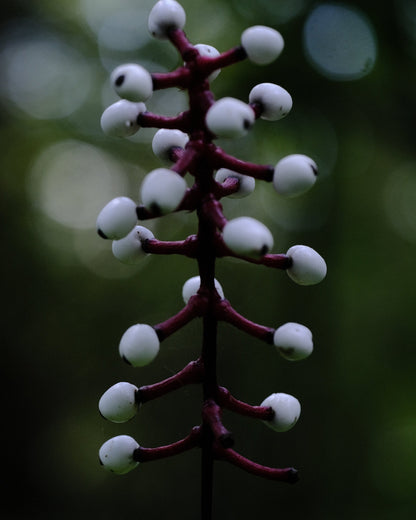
[186,143]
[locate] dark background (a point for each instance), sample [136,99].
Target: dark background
[67,301]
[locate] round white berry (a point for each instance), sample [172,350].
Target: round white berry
[162,190]
[262,44]
[275,101]
[246,184]
[139,345]
[118,404]
[209,51]
[120,118]
[247,236]
[165,140]
[294,174]
[229,117]
[308,267]
[129,249]
[117,453]
[165,16]
[117,218]
[132,82]
[286,410]
[191,287]
[293,341]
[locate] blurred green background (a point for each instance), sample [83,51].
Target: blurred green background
[350,69]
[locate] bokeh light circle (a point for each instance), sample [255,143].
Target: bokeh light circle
[340,42]
[71,181]
[42,74]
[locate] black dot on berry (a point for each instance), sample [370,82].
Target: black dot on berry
[246,124]
[264,250]
[315,171]
[155,209]
[120,80]
[126,360]
[101,234]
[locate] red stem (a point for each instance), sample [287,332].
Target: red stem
[161,452]
[258,171]
[185,247]
[289,475]
[150,120]
[225,59]
[177,78]
[264,413]
[196,306]
[181,42]
[226,313]
[191,374]
[211,415]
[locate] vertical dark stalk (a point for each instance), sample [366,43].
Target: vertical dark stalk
[206,263]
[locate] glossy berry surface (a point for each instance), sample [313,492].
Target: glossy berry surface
[166,15]
[162,190]
[262,44]
[117,218]
[120,119]
[191,287]
[247,236]
[274,101]
[129,249]
[139,345]
[132,82]
[294,175]
[166,140]
[293,341]
[116,454]
[118,404]
[229,118]
[308,267]
[286,410]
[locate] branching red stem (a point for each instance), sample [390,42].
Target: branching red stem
[289,475]
[226,312]
[192,373]
[222,160]
[211,415]
[226,400]
[185,247]
[149,454]
[150,120]
[196,306]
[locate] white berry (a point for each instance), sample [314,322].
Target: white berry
[247,236]
[120,118]
[118,404]
[117,218]
[116,454]
[162,190]
[293,341]
[262,44]
[308,267]
[229,117]
[129,249]
[246,184]
[165,140]
[191,287]
[166,15]
[275,101]
[139,345]
[294,174]
[210,52]
[132,82]
[286,410]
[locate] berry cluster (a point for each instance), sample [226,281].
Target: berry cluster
[186,143]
